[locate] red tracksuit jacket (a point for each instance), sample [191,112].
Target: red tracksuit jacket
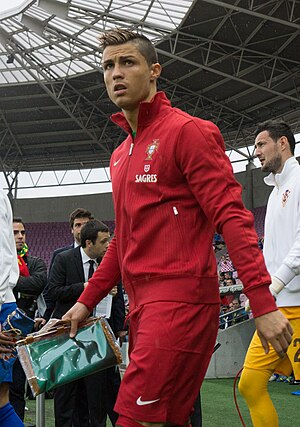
[173,186]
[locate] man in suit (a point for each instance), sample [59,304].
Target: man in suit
[68,278]
[77,219]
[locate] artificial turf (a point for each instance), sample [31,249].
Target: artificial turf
[218,408]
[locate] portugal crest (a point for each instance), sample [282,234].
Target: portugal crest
[285,197]
[152,148]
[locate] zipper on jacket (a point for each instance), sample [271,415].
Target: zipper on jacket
[175,210]
[131,148]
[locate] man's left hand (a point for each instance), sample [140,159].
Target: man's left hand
[121,335]
[273,328]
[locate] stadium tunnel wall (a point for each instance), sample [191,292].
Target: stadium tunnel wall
[229,358]
[56,209]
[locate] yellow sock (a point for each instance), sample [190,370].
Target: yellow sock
[253,386]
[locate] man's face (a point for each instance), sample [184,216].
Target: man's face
[127,76]
[19,234]
[77,226]
[99,248]
[268,152]
[235,304]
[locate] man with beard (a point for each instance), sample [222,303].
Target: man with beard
[275,146]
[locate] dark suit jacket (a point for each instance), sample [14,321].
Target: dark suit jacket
[66,282]
[49,303]
[58,251]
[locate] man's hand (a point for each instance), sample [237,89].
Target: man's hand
[121,335]
[275,329]
[75,315]
[39,322]
[7,345]
[114,291]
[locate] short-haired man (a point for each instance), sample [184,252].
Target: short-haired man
[9,273]
[274,146]
[170,175]
[68,278]
[31,282]
[77,219]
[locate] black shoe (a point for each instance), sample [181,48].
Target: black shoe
[295,382]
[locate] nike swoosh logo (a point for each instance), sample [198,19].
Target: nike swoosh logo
[115,163]
[141,402]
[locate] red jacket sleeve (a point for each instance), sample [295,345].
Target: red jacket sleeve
[201,158]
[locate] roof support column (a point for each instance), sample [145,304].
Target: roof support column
[249,199]
[12,185]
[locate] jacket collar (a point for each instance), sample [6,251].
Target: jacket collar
[279,179]
[148,112]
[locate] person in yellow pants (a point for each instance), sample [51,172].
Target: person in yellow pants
[275,144]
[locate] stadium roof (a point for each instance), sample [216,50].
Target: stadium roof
[235,62]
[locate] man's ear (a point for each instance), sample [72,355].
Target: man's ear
[284,143]
[155,71]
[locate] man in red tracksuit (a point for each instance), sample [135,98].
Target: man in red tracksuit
[173,186]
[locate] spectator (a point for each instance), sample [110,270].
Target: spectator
[31,282]
[225,317]
[228,275]
[238,312]
[230,282]
[221,278]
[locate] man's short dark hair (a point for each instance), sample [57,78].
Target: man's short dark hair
[119,36]
[277,129]
[79,213]
[19,221]
[90,231]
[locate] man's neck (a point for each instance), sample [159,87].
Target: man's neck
[85,250]
[284,159]
[132,118]
[132,115]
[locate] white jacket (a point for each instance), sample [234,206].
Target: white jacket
[9,270]
[282,232]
